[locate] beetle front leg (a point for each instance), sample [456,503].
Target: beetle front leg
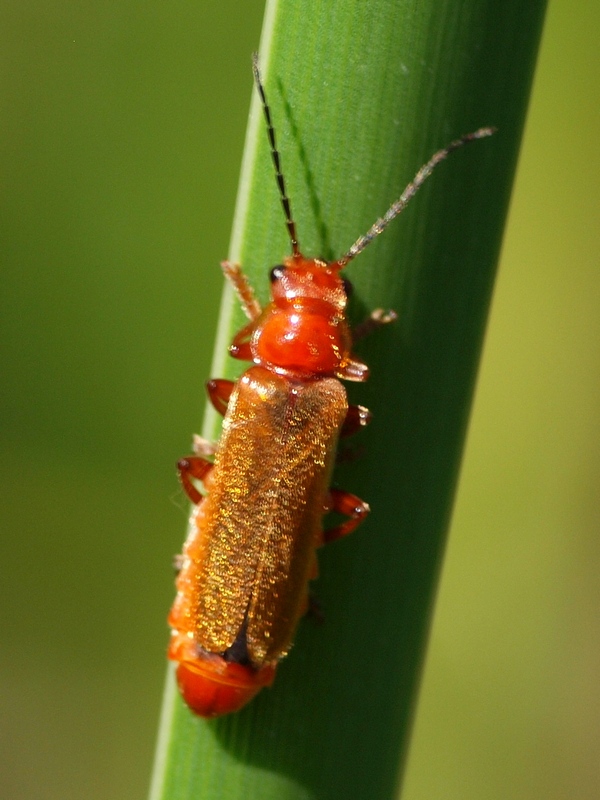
[240,347]
[241,285]
[350,506]
[373,322]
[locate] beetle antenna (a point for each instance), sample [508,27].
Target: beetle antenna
[412,188]
[285,201]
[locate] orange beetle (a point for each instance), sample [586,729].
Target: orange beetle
[245,568]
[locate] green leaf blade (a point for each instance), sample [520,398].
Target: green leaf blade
[362,94]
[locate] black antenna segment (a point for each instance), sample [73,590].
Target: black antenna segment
[285,201]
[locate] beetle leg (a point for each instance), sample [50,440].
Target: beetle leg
[356,417]
[313,609]
[375,320]
[178,562]
[348,454]
[202,446]
[219,391]
[350,506]
[243,289]
[353,370]
[240,347]
[193,467]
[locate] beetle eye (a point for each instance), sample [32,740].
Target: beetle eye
[276,273]
[348,287]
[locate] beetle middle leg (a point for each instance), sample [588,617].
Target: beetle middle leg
[356,418]
[350,506]
[193,467]
[219,391]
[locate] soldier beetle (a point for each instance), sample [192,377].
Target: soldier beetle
[246,565]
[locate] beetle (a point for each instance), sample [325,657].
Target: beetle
[243,580]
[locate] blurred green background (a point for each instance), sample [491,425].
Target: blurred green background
[121,129]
